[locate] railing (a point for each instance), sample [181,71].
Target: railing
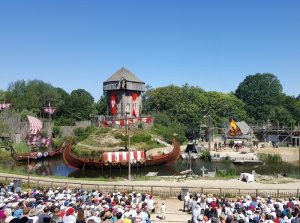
[161,191]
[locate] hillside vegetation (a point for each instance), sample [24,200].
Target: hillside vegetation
[93,141]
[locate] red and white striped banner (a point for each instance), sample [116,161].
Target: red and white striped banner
[122,122]
[123,156]
[4,106]
[35,125]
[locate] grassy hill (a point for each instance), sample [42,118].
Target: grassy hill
[93,141]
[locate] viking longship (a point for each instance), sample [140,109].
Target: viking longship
[120,159]
[37,141]
[21,157]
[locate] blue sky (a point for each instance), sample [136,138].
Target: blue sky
[210,44]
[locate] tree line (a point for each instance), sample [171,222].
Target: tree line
[258,98]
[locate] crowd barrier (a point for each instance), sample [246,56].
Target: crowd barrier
[160,191]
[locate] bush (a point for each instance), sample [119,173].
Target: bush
[168,131]
[270,158]
[227,173]
[58,142]
[22,147]
[140,138]
[205,155]
[56,131]
[82,133]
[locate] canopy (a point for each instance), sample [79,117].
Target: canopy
[35,125]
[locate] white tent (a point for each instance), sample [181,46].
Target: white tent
[247,177]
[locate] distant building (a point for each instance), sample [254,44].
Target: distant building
[124,91]
[239,130]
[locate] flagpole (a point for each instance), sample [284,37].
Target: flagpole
[128,146]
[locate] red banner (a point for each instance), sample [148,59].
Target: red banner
[134,103]
[113,104]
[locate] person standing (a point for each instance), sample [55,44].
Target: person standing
[163,210]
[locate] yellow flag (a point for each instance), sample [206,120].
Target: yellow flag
[232,124]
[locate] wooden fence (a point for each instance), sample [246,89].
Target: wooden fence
[161,191]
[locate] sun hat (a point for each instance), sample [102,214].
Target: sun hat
[33,212]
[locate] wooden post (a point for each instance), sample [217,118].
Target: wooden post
[170,192]
[256,192]
[151,190]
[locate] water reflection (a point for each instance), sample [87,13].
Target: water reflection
[57,167]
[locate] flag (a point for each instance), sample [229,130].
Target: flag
[134,102]
[113,104]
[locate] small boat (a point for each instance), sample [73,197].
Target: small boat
[247,162]
[21,157]
[121,159]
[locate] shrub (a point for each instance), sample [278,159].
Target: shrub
[58,142]
[82,133]
[22,147]
[140,138]
[270,158]
[227,173]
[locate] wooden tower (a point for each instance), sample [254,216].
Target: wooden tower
[124,91]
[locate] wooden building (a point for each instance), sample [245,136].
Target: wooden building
[240,131]
[124,91]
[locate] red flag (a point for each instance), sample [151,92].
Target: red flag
[113,104]
[134,96]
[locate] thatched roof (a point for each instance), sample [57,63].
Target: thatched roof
[124,73]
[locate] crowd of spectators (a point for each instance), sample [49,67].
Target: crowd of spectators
[211,209]
[62,205]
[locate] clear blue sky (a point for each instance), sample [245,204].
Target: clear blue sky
[210,44]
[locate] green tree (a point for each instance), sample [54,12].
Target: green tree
[102,105]
[31,95]
[261,93]
[2,96]
[81,104]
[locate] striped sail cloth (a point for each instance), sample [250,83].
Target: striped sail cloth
[4,106]
[49,110]
[122,122]
[123,156]
[35,125]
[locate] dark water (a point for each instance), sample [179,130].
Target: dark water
[57,167]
